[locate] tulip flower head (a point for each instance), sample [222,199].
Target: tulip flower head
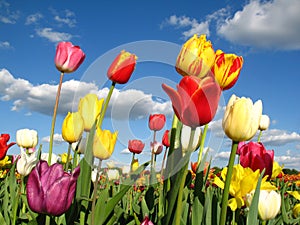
[26,163]
[79,146]
[68,57]
[72,127]
[50,189]
[136,146]
[196,100]
[122,67]
[64,158]
[27,138]
[227,69]
[104,143]
[90,107]
[54,158]
[196,57]
[264,122]
[186,136]
[134,165]
[113,174]
[241,119]
[165,139]
[156,147]
[4,138]
[157,121]
[147,221]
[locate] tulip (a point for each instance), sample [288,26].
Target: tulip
[64,158]
[125,170]
[157,121]
[268,204]
[196,57]
[5,162]
[264,122]
[104,143]
[49,189]
[4,138]
[134,165]
[165,139]
[26,163]
[277,170]
[113,174]
[136,146]
[196,100]
[147,221]
[27,138]
[94,175]
[54,158]
[156,147]
[186,136]
[227,69]
[122,67]
[241,119]
[79,146]
[68,57]
[296,210]
[72,127]
[255,156]
[90,107]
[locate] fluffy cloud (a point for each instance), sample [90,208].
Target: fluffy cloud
[7,16]
[265,24]
[124,104]
[53,36]
[4,45]
[57,139]
[33,18]
[275,137]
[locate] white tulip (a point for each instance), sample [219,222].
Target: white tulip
[27,138]
[54,158]
[185,138]
[113,174]
[264,122]
[26,163]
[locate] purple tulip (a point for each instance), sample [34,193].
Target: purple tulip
[255,156]
[50,189]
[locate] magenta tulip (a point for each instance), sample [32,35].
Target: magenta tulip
[4,138]
[68,57]
[50,190]
[136,146]
[255,156]
[157,121]
[196,100]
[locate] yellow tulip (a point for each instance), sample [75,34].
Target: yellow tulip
[4,162]
[64,157]
[241,119]
[90,107]
[104,143]
[134,165]
[196,57]
[296,210]
[72,127]
[276,170]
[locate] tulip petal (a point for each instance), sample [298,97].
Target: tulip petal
[175,99]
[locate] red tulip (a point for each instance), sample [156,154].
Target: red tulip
[147,221]
[4,138]
[255,156]
[122,67]
[50,190]
[165,139]
[68,57]
[196,100]
[136,146]
[157,121]
[194,166]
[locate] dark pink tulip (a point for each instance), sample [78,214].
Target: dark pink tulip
[255,156]
[147,221]
[165,139]
[157,121]
[68,57]
[156,147]
[136,146]
[50,189]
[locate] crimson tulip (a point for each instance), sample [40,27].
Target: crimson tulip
[157,121]
[255,156]
[165,139]
[122,67]
[196,100]
[68,57]
[4,138]
[50,189]
[136,146]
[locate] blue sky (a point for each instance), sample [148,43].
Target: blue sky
[265,33]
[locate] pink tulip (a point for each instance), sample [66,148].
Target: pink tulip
[147,221]
[50,190]
[68,57]
[255,156]
[156,147]
[157,121]
[136,146]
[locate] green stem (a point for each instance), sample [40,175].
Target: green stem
[48,220]
[54,117]
[152,169]
[202,144]
[75,161]
[264,222]
[68,157]
[103,111]
[225,195]
[180,192]
[259,136]
[95,193]
[163,164]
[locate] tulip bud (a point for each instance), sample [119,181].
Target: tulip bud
[68,57]
[241,118]
[227,69]
[72,127]
[136,146]
[27,138]
[156,121]
[26,163]
[165,139]
[79,146]
[90,107]
[64,158]
[156,147]
[122,67]
[296,210]
[264,122]
[147,221]
[113,174]
[185,139]
[134,165]
[269,204]
[196,57]
[104,143]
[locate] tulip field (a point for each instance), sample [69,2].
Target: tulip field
[37,188]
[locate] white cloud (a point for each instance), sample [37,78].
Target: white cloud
[5,45]
[265,24]
[57,139]
[52,35]
[222,155]
[124,104]
[6,15]
[125,151]
[33,18]
[275,137]
[289,161]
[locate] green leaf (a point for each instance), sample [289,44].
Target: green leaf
[2,220]
[197,212]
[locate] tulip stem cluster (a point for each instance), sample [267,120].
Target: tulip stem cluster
[54,117]
[95,192]
[68,157]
